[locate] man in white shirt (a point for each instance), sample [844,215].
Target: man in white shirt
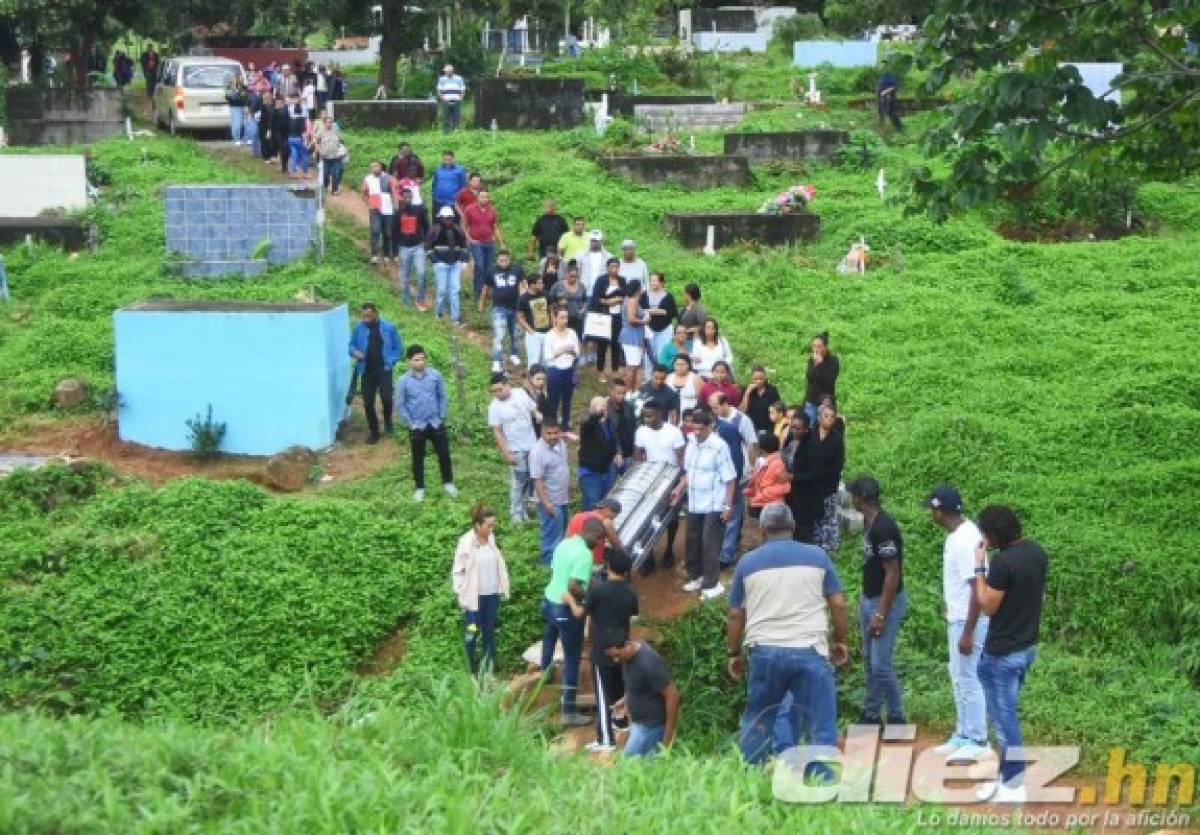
[966,625]
[593,264]
[710,481]
[451,88]
[730,424]
[510,416]
[657,440]
[633,268]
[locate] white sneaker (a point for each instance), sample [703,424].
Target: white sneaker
[693,585]
[715,591]
[967,753]
[497,367]
[418,495]
[997,792]
[599,748]
[374,259]
[950,745]
[450,489]
[514,360]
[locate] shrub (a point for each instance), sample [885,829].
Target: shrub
[788,30]
[205,434]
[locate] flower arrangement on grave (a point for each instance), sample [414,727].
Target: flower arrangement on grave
[669,144]
[790,201]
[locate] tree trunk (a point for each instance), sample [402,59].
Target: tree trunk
[390,45]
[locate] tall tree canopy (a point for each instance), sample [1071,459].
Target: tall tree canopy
[1028,116]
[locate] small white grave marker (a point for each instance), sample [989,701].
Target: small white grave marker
[881,183]
[710,240]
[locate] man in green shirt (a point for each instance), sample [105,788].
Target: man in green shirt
[574,242]
[570,573]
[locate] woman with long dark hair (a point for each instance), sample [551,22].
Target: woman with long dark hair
[820,376]
[710,348]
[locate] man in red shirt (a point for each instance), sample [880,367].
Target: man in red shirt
[482,225]
[469,194]
[606,512]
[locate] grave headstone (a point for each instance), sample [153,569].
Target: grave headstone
[36,184]
[275,374]
[786,145]
[844,54]
[691,229]
[685,171]
[537,103]
[386,114]
[63,115]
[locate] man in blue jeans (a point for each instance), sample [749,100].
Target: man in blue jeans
[570,573]
[966,628]
[551,478]
[783,595]
[651,700]
[504,285]
[883,604]
[1010,591]
[446,244]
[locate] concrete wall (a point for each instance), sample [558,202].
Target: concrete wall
[835,53]
[218,227]
[690,172]
[529,103]
[36,183]
[68,233]
[661,116]
[724,20]
[276,374]
[773,230]
[787,145]
[62,116]
[731,41]
[402,114]
[347,57]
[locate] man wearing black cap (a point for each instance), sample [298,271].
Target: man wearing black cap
[966,628]
[611,604]
[883,605]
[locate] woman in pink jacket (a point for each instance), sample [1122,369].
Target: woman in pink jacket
[480,579]
[770,481]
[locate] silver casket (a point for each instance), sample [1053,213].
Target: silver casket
[646,508]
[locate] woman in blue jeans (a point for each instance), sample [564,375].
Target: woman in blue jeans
[480,580]
[560,352]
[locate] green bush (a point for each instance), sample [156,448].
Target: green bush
[801,27]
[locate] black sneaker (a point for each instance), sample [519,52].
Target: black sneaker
[647,568]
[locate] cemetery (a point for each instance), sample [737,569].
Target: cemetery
[230,602]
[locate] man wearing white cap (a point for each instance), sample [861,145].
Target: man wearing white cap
[446,244]
[450,91]
[593,263]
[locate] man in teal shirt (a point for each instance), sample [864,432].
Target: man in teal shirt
[570,573]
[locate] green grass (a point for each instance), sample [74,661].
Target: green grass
[1059,379]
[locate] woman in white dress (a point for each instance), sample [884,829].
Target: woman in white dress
[686,384]
[710,349]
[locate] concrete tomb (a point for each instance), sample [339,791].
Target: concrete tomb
[834,53]
[39,193]
[539,103]
[690,172]
[223,230]
[275,374]
[682,116]
[623,104]
[729,227]
[786,145]
[403,114]
[62,115]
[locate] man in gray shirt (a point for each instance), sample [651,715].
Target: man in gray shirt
[510,416]
[551,478]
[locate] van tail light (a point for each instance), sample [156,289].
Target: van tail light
[179,98]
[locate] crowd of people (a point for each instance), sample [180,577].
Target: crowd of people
[673,394]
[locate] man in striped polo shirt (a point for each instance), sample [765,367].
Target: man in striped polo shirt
[450,91]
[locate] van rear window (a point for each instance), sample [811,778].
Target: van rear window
[200,77]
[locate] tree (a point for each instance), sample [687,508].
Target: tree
[1027,116]
[74,24]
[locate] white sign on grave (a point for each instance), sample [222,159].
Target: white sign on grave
[37,183]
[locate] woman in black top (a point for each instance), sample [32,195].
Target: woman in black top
[280,122]
[551,268]
[757,400]
[816,474]
[263,114]
[607,296]
[662,310]
[821,376]
[794,452]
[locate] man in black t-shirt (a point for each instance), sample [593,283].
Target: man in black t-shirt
[611,604]
[651,698]
[1010,592]
[547,230]
[883,604]
[533,317]
[505,286]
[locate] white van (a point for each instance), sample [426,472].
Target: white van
[191,93]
